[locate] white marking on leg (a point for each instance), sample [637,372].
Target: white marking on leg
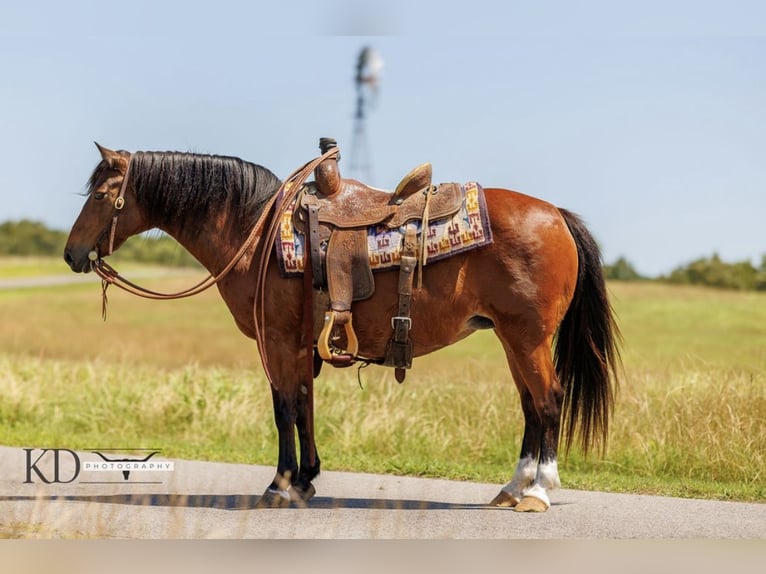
[283,494]
[538,492]
[547,479]
[526,470]
[548,475]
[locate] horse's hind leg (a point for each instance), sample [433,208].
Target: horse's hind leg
[541,398]
[526,469]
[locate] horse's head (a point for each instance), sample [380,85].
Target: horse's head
[110,214]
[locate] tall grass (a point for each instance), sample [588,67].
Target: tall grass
[190,411]
[689,418]
[699,435]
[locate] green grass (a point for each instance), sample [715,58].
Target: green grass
[689,420]
[676,327]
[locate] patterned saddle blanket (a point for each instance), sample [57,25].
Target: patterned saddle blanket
[467,229]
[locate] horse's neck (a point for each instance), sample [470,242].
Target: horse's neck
[214,242]
[215,231]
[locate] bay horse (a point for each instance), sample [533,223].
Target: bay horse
[539,285]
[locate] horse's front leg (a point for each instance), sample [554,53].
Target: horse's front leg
[285,409]
[309,463]
[293,402]
[291,370]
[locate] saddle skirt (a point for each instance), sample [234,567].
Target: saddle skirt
[467,229]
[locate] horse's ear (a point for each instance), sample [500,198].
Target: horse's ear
[112,158]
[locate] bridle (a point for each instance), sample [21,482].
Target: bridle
[119,203]
[110,276]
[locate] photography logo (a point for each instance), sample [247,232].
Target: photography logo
[98,466]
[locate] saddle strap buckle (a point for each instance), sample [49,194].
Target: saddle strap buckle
[401,327]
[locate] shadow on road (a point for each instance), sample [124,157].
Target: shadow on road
[244,501]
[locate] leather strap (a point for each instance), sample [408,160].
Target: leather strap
[406,270]
[119,203]
[314,247]
[311,364]
[399,351]
[287,193]
[430,190]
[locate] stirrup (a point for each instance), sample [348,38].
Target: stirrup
[323,342]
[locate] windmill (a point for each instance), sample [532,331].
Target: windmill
[367,82]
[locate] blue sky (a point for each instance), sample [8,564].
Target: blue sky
[649,120]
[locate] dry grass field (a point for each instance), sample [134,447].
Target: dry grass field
[689,419]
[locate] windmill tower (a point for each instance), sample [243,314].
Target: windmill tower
[367,81]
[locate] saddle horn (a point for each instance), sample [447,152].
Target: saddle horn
[327,174]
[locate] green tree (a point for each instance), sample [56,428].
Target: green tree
[621,270]
[760,275]
[27,237]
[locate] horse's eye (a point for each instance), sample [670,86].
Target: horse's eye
[99,195]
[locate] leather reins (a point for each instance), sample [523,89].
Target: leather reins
[291,187]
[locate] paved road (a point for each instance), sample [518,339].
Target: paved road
[217,500]
[46,281]
[66,278]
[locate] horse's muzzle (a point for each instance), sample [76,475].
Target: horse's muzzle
[78,259]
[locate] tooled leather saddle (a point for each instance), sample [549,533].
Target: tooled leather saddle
[334,214]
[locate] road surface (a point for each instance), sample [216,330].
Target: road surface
[218,500]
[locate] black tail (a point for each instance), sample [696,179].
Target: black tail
[586,350]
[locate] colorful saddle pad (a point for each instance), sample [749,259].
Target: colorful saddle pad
[468,229]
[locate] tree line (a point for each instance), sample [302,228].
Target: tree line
[708,271]
[26,238]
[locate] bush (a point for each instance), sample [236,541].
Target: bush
[713,272]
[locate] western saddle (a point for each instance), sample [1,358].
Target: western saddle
[333,214]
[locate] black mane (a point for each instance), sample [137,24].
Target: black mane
[188,185]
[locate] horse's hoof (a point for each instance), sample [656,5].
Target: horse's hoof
[274,499]
[302,494]
[294,495]
[504,500]
[531,504]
